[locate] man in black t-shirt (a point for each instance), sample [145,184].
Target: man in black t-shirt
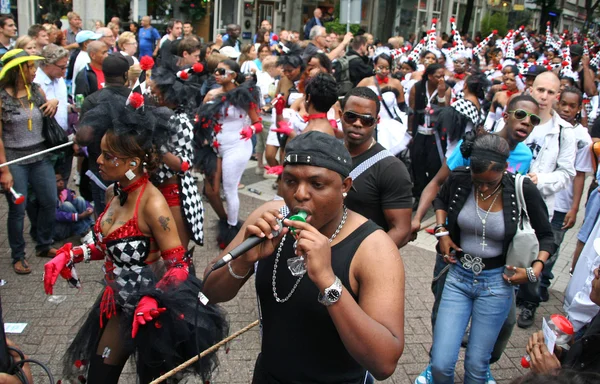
[383,191]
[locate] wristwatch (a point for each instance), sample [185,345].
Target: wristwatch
[331,294]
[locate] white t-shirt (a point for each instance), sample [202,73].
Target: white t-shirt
[583,163]
[535,140]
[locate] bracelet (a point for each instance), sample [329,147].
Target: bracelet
[441,234]
[538,261]
[531,275]
[441,99]
[438,226]
[235,276]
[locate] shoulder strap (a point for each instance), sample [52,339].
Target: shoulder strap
[137,203]
[369,163]
[521,196]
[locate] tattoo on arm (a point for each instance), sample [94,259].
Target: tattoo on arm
[164,223]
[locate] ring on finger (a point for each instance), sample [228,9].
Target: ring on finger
[509,282]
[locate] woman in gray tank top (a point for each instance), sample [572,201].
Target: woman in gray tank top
[22,105]
[477,219]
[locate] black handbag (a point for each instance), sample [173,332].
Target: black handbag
[53,133]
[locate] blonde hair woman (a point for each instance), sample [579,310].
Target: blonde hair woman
[27,44]
[128,45]
[133,74]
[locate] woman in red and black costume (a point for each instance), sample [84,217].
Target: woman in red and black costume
[174,90]
[148,306]
[225,124]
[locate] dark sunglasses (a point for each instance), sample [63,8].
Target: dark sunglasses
[222,71]
[520,114]
[365,120]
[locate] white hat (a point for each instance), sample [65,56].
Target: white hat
[229,52]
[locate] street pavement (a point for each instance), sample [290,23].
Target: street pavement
[53,320]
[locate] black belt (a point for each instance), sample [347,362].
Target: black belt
[477,264]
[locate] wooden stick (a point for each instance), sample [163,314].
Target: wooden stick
[204,353]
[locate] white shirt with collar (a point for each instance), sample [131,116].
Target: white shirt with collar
[554,164]
[579,307]
[55,89]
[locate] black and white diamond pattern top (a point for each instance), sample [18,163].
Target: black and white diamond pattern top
[467,109]
[181,145]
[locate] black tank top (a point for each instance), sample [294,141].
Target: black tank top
[300,343]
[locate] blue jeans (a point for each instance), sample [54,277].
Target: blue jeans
[437,288]
[40,175]
[81,227]
[559,235]
[486,300]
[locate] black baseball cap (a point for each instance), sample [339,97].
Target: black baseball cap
[320,150]
[535,70]
[576,50]
[116,65]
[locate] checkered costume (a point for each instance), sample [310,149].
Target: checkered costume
[181,145]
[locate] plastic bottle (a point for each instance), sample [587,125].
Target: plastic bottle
[562,328]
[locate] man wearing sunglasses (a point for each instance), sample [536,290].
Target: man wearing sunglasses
[553,146]
[382,187]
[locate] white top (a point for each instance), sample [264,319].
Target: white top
[553,163]
[135,59]
[249,67]
[583,163]
[81,61]
[55,89]
[578,306]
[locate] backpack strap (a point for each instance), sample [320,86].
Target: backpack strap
[356,172]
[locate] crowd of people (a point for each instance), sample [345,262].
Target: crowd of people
[362,138]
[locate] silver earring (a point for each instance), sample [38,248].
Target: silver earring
[133,163]
[130,175]
[116,164]
[344,194]
[233,80]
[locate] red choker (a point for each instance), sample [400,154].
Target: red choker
[384,80]
[124,191]
[314,116]
[460,76]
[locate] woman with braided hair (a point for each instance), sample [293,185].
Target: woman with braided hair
[173,178]
[226,122]
[148,304]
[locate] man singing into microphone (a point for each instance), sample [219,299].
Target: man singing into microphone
[343,319]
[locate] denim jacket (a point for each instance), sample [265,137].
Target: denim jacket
[458,186]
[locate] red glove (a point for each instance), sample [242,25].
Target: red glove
[64,264]
[61,264]
[177,263]
[279,105]
[246,133]
[257,127]
[284,128]
[274,170]
[146,310]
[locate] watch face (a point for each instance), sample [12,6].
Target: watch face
[333,295]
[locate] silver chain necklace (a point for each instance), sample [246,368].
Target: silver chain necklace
[483,221]
[490,195]
[337,231]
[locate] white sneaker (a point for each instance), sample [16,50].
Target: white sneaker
[489,379]
[425,377]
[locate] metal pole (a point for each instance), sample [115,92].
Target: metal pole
[35,154]
[348,24]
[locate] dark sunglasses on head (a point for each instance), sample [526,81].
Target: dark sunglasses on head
[520,114]
[365,120]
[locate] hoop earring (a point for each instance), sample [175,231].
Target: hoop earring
[130,175]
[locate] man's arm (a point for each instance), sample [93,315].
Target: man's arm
[398,221]
[221,286]
[341,48]
[373,331]
[428,195]
[588,77]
